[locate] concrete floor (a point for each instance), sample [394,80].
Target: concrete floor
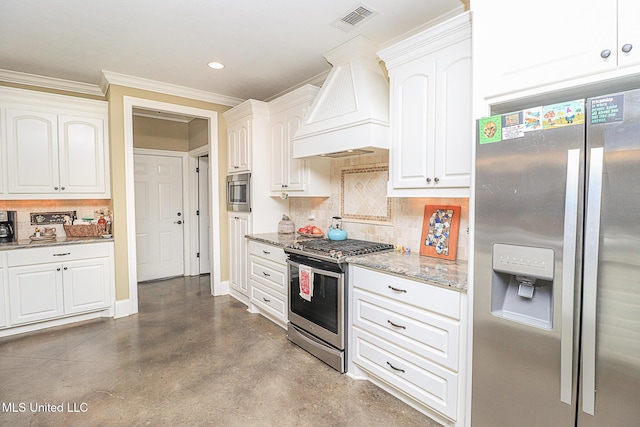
[185,359]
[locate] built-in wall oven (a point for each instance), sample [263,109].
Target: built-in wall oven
[317,310]
[239,192]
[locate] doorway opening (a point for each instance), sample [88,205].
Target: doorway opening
[211,151]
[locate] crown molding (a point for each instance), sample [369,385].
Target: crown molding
[49,82]
[110,78]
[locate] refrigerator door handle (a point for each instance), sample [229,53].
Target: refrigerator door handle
[568,274]
[590,292]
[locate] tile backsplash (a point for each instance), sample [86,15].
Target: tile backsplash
[84,208]
[369,218]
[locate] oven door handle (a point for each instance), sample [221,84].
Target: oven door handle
[317,270]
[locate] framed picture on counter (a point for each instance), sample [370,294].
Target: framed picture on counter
[440,228]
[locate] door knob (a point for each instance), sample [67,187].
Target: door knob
[177,222]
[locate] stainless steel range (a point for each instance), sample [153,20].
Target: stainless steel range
[318,294]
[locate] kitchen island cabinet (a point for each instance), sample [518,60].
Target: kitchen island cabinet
[57,282]
[296,177]
[553,46]
[431,126]
[268,282]
[409,338]
[56,147]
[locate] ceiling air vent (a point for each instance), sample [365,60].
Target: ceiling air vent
[354,17]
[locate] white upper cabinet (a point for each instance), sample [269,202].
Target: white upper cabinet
[522,48]
[430,73]
[56,147]
[296,177]
[239,146]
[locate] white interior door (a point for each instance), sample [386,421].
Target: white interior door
[159,216]
[204,217]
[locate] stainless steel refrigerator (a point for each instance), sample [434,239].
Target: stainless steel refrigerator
[556,332]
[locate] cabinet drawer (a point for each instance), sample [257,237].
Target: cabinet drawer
[274,304]
[270,252]
[427,383]
[268,273]
[432,336]
[59,253]
[422,295]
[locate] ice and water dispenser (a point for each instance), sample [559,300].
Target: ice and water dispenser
[522,284]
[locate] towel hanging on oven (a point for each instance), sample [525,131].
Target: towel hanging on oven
[306,281]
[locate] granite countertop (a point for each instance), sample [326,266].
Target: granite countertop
[450,274]
[59,241]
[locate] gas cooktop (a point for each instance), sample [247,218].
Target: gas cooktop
[335,250]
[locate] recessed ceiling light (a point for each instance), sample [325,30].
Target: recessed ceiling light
[216,65]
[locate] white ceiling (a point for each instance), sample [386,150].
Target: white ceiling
[268,46]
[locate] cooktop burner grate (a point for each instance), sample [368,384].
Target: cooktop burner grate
[340,248]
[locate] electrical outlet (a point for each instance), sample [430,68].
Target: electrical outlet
[311,218]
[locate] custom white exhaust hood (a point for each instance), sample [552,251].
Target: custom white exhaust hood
[350,114]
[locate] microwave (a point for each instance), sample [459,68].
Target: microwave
[239,192]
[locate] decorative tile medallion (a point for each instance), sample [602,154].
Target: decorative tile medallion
[363,194]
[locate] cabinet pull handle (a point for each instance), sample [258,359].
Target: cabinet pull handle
[64,254]
[58,269]
[428,179]
[62,188]
[436,179]
[55,188]
[266,274]
[626,48]
[266,300]
[605,53]
[394,368]
[396,325]
[397,290]
[266,252]
[65,268]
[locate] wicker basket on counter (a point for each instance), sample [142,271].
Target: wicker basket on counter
[85,230]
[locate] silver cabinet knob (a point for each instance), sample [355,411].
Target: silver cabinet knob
[626,48]
[605,53]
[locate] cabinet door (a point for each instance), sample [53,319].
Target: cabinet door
[243,229]
[244,146]
[86,285]
[552,42]
[412,123]
[238,228]
[452,161]
[35,293]
[278,152]
[628,32]
[32,152]
[232,147]
[295,169]
[3,313]
[82,156]
[233,253]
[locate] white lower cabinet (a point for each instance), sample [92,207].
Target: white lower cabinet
[408,337]
[52,282]
[239,226]
[268,281]
[3,308]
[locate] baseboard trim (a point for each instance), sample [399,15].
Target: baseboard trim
[123,308]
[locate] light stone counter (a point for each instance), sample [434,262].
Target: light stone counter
[59,241]
[449,274]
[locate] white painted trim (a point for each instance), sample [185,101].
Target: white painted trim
[49,82]
[193,190]
[109,78]
[129,103]
[21,329]
[122,308]
[223,289]
[186,203]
